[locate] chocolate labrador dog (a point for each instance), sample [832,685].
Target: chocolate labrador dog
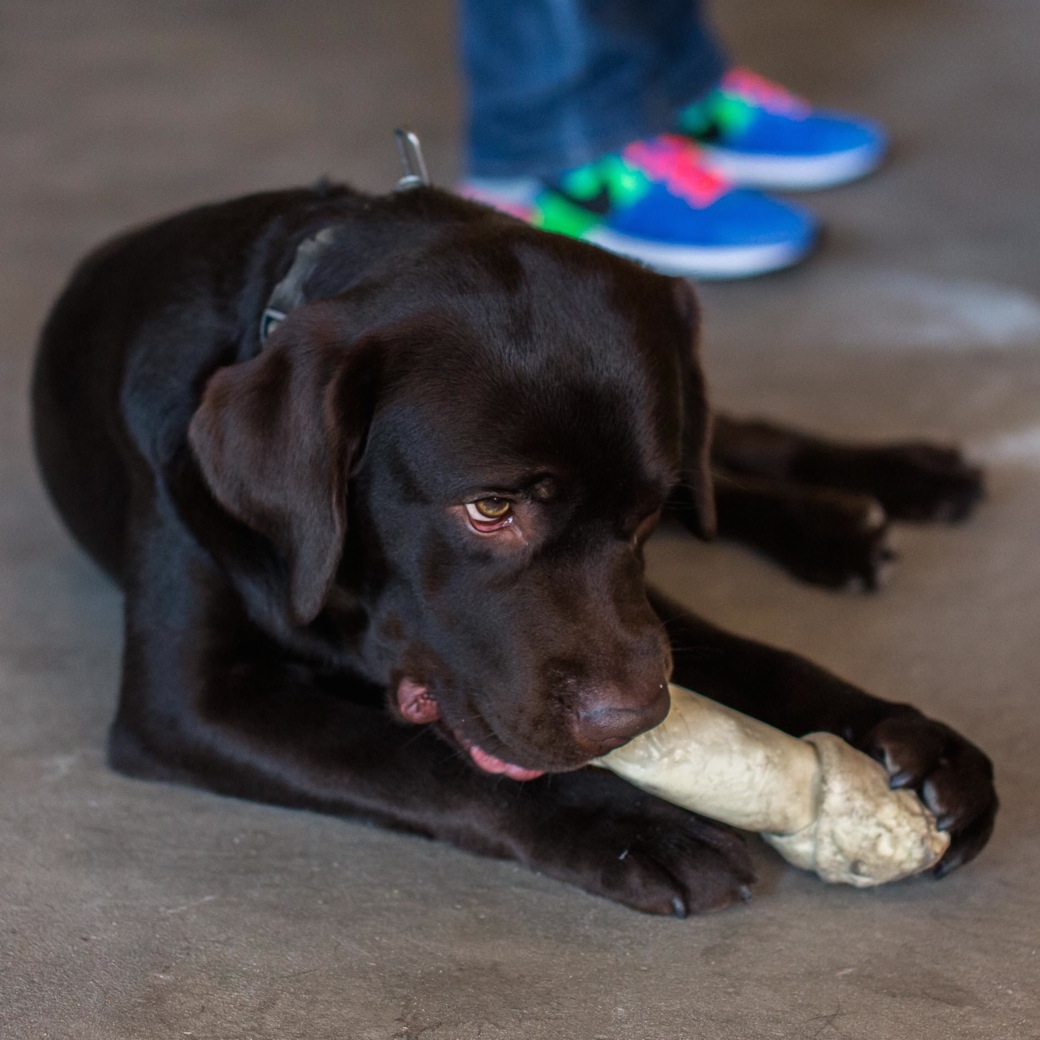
[375,474]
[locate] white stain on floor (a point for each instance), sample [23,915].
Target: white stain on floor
[1018,448]
[901,310]
[954,313]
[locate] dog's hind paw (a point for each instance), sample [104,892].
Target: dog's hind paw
[925,482]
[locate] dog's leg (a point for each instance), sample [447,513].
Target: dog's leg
[821,535]
[274,733]
[950,774]
[912,480]
[209,701]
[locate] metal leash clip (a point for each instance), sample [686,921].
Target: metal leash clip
[415,175]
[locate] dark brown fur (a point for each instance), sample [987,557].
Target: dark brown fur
[312,620]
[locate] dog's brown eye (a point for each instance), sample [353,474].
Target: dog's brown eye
[491,509]
[487,515]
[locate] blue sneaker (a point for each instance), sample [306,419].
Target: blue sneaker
[756,133]
[657,203]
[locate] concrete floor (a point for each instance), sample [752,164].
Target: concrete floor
[129,910]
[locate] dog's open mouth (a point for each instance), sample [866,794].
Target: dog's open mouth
[418,705]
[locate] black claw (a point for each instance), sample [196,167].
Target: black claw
[904,778]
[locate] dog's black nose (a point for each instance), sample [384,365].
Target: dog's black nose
[609,716]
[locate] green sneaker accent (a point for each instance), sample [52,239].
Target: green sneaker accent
[627,184]
[583,183]
[552,212]
[604,185]
[718,112]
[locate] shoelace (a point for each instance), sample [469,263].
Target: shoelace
[673,161]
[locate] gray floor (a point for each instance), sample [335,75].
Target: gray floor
[129,910]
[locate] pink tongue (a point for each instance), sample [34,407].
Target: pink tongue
[418,705]
[491,764]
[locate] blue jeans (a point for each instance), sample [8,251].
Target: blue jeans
[554,84]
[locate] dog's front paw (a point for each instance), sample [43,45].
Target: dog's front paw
[663,863]
[643,852]
[950,775]
[925,482]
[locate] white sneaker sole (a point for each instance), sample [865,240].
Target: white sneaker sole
[791,173]
[704,263]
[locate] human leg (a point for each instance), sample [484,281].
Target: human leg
[581,121]
[558,84]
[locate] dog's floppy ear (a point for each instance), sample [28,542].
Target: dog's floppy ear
[695,494]
[277,436]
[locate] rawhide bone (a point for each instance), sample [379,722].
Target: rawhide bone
[823,805]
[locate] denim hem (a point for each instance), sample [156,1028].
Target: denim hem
[555,84]
[604,135]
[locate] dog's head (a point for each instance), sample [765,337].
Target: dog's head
[471,450]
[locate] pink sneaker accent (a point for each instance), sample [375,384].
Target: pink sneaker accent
[764,93]
[675,162]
